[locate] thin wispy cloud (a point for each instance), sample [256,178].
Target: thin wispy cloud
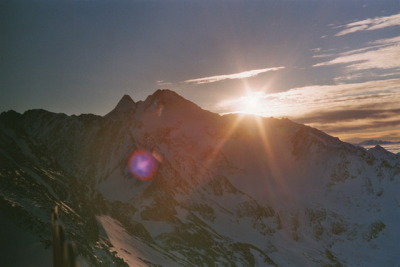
[370,24]
[381,54]
[352,118]
[359,129]
[240,75]
[163,83]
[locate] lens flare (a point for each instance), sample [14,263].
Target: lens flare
[143,165]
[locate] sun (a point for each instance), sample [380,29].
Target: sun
[251,103]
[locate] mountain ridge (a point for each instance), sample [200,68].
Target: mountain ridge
[230,190]
[376,142]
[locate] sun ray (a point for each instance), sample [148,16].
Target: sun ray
[211,156]
[277,175]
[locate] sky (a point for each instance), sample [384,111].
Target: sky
[330,64]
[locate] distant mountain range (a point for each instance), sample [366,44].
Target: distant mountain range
[228,190]
[372,142]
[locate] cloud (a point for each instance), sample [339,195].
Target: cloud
[355,124]
[364,126]
[357,136]
[370,24]
[351,111]
[371,74]
[381,54]
[340,109]
[163,83]
[376,59]
[240,75]
[355,119]
[303,100]
[354,113]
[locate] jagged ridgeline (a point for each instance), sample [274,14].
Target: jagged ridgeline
[228,191]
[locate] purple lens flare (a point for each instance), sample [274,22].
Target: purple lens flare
[143,165]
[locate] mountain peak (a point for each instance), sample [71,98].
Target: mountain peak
[167,95]
[124,105]
[166,101]
[126,99]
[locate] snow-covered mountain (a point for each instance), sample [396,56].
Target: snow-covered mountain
[229,190]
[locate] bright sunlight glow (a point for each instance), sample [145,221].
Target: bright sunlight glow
[252,104]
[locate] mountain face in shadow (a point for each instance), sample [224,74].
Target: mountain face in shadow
[229,190]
